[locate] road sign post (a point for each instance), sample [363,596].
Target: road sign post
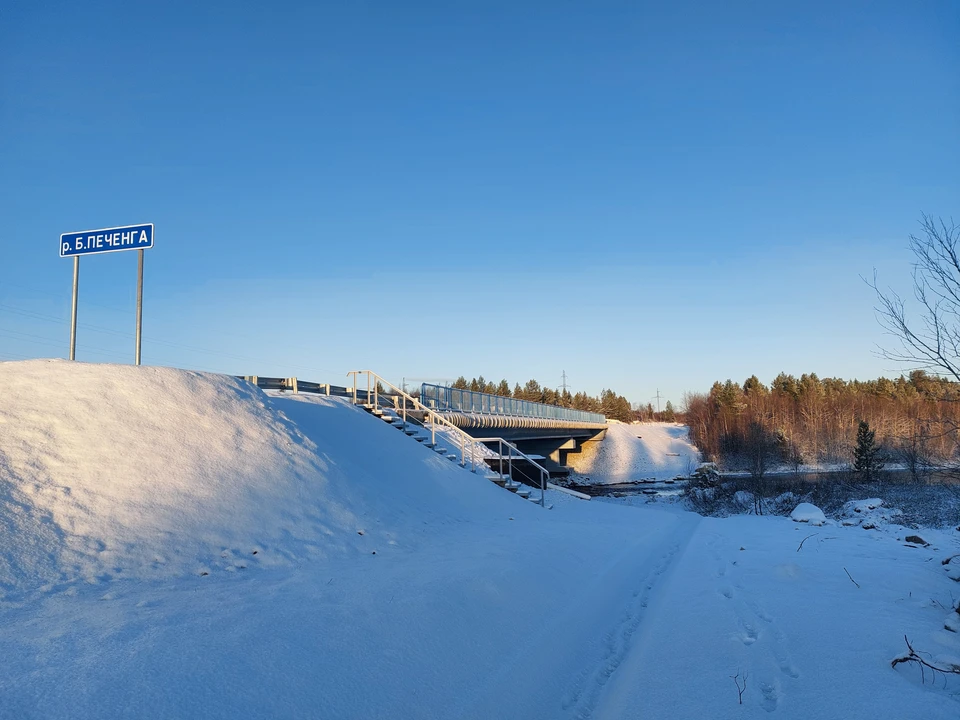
[73,311]
[93,242]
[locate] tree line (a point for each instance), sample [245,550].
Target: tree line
[609,402]
[808,420]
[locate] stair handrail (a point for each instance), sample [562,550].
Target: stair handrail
[514,452]
[465,439]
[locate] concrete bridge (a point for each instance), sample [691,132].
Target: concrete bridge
[543,431]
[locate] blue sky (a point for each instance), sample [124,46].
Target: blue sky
[645,195]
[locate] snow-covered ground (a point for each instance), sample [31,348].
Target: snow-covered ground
[633,452]
[387,582]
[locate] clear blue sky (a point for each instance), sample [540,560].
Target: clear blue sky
[646,195]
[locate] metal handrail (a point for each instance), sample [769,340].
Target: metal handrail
[465,439]
[544,473]
[434,417]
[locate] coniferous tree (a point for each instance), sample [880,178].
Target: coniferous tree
[867,456]
[503,388]
[532,391]
[668,414]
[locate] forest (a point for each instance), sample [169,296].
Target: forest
[813,421]
[609,402]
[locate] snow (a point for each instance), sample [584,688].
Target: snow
[808,513]
[637,451]
[869,514]
[458,599]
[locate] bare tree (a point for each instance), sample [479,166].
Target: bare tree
[931,342]
[913,454]
[759,446]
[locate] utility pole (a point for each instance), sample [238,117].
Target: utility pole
[658,396]
[564,386]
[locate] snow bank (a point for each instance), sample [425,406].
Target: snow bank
[118,471]
[632,452]
[808,513]
[111,471]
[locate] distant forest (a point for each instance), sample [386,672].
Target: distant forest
[609,403]
[810,421]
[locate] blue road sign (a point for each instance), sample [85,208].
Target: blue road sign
[90,242]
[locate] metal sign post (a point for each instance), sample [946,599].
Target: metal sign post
[92,242]
[73,311]
[139,301]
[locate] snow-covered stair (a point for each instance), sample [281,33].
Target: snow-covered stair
[417,432]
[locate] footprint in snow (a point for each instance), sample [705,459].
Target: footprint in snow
[771,696]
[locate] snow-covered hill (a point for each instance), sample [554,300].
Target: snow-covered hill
[112,471]
[632,452]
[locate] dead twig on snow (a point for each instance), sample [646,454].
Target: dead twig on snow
[740,690]
[851,577]
[805,539]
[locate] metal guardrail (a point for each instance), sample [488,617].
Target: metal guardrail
[442,398]
[296,385]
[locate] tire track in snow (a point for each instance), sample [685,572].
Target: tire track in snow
[584,696]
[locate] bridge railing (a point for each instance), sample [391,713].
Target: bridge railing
[442,398]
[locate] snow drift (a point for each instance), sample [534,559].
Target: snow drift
[111,471]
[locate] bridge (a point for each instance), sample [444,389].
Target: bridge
[547,431]
[541,436]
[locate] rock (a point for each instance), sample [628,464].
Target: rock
[805,512]
[952,566]
[916,540]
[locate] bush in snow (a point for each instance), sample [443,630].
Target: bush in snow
[782,504]
[869,514]
[744,499]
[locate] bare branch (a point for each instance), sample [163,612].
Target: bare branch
[740,690]
[933,342]
[912,656]
[851,577]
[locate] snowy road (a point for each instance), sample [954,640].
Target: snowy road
[561,670]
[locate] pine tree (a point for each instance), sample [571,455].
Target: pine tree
[532,391]
[669,414]
[867,456]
